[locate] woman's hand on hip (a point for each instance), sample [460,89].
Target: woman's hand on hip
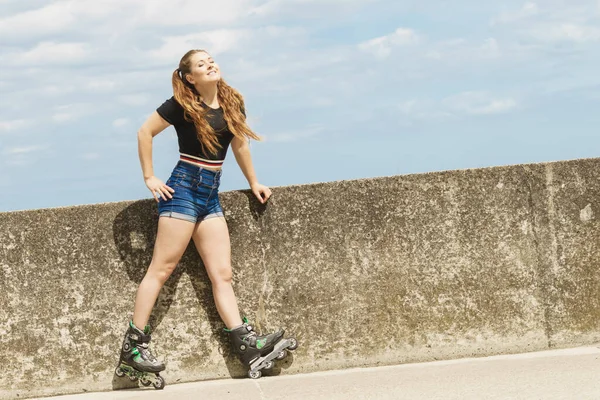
[261,192]
[158,188]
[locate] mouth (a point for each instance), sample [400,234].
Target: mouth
[212,73]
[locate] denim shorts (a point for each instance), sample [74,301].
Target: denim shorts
[196,196]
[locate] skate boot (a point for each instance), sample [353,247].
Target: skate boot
[258,351]
[137,362]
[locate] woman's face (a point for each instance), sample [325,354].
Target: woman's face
[203,69]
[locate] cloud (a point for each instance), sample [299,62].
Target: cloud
[51,18]
[13,125]
[216,42]
[89,156]
[569,32]
[49,53]
[120,122]
[479,103]
[305,8]
[72,112]
[119,16]
[423,109]
[22,150]
[101,85]
[293,136]
[20,155]
[528,9]
[458,105]
[138,99]
[382,46]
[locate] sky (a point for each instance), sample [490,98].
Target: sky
[338,89]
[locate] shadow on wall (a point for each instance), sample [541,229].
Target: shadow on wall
[134,239]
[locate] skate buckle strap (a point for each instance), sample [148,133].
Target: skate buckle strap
[139,337]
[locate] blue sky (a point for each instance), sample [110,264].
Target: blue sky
[338,89]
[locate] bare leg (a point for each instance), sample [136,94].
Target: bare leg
[172,239]
[211,238]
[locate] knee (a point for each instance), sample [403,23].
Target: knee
[224,276]
[162,271]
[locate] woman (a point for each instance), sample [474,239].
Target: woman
[208,116]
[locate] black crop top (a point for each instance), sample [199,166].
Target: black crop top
[172,112]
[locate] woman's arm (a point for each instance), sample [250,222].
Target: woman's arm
[154,125]
[241,150]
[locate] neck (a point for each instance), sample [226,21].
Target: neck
[208,93]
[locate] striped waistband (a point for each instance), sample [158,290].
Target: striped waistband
[201,162]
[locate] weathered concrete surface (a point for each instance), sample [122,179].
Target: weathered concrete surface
[364,273]
[566,374]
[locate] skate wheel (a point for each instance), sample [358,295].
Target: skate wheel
[294,344]
[145,382]
[133,378]
[159,383]
[254,374]
[281,355]
[119,372]
[269,365]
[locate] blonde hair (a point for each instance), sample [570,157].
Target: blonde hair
[230,100]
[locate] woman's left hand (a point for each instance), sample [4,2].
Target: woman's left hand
[261,192]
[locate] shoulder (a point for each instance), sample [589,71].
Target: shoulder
[171,111]
[172,103]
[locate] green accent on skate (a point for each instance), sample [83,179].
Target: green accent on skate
[146,329]
[130,371]
[245,320]
[260,343]
[136,355]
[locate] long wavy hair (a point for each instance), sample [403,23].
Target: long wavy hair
[230,100]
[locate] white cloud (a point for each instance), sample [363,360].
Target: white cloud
[51,18]
[421,109]
[72,112]
[479,103]
[114,16]
[22,150]
[185,12]
[570,32]
[305,7]
[527,10]
[216,42]
[138,99]
[101,85]
[491,48]
[57,90]
[90,156]
[382,46]
[13,125]
[120,122]
[293,136]
[466,103]
[49,53]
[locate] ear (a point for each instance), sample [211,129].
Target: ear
[189,79]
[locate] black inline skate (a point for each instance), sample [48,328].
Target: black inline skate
[258,351]
[137,362]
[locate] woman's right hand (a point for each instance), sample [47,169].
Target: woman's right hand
[158,188]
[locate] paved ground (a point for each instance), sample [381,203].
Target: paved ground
[549,375]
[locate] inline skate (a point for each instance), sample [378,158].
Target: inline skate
[256,351]
[136,361]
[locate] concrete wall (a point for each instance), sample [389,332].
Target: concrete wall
[364,273]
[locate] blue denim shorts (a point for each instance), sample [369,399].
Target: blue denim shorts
[196,196]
